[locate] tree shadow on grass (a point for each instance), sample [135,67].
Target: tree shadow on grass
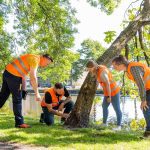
[57,135]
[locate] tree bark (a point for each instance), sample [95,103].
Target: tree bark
[79,117]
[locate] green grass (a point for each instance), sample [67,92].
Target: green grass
[58,138]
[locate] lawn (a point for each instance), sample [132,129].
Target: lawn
[58,138]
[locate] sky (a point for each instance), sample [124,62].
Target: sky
[93,22]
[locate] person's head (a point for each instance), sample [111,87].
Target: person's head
[120,63]
[91,66]
[45,60]
[59,88]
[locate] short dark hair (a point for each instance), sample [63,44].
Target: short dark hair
[59,85]
[48,57]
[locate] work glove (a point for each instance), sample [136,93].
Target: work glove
[24,94]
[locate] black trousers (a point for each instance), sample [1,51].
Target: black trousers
[12,85]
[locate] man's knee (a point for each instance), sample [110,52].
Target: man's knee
[49,123]
[48,120]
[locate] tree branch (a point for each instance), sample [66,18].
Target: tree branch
[142,46]
[144,23]
[127,51]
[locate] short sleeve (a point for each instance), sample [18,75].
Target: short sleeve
[33,61]
[66,92]
[48,98]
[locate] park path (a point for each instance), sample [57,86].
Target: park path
[17,146]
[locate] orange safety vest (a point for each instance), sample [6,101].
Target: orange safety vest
[146,77]
[55,100]
[114,87]
[20,66]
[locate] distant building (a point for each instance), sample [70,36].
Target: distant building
[41,83]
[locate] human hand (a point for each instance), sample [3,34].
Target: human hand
[38,97]
[24,94]
[109,99]
[144,105]
[65,115]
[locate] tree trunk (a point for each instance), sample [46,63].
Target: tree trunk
[79,117]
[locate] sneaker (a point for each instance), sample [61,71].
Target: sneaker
[118,128]
[23,126]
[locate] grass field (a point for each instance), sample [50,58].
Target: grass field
[58,138]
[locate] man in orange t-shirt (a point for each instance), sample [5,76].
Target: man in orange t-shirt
[13,81]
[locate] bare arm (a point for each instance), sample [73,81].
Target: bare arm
[55,112]
[23,84]
[34,82]
[97,83]
[67,100]
[67,95]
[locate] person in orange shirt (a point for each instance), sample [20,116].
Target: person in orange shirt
[139,73]
[111,91]
[14,78]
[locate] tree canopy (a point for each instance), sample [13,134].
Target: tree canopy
[43,26]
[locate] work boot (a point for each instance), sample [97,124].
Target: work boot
[23,126]
[41,118]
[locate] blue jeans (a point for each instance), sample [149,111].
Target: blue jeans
[147,112]
[115,100]
[49,117]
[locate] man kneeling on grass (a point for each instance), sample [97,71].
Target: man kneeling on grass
[52,104]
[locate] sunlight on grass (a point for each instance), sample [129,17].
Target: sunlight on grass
[57,137]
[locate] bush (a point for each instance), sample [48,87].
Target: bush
[137,124]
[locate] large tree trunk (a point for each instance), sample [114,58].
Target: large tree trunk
[80,115]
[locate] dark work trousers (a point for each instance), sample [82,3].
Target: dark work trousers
[12,85]
[49,117]
[147,111]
